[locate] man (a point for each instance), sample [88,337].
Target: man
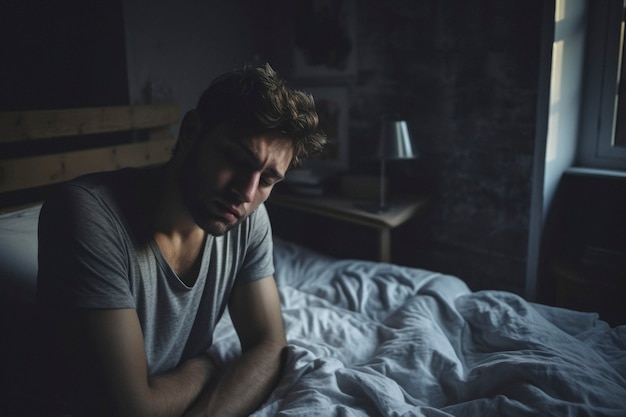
[138,265]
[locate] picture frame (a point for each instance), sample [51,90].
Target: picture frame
[331,103]
[325,41]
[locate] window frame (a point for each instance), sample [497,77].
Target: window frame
[602,66]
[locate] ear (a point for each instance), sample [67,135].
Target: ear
[189,131]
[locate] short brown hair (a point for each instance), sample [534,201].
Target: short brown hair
[254,101]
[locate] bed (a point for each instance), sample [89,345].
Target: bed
[373,339]
[377,339]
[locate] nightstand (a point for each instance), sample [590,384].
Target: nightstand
[594,289]
[347,210]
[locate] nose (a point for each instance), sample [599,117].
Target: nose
[246,185]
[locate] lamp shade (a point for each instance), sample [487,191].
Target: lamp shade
[395,141]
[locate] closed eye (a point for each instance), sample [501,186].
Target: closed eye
[269,180]
[241,157]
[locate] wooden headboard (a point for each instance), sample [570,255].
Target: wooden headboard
[45,147]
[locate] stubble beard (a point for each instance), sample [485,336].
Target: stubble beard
[200,212]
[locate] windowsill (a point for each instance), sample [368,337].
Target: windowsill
[598,172]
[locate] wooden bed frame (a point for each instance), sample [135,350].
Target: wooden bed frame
[34,144]
[39,150]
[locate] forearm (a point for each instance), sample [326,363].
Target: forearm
[104,351]
[173,393]
[242,385]
[165,395]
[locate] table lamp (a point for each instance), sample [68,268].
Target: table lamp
[395,143]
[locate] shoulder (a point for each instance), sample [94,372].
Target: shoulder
[91,191]
[104,185]
[260,215]
[257,226]
[90,202]
[256,247]
[85,187]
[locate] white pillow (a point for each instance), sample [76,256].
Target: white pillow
[18,253]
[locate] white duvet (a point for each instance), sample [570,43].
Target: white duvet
[371,339]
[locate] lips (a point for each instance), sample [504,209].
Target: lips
[228,210]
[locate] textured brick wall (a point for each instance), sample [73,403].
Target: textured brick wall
[465,76]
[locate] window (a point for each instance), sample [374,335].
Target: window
[620,119]
[602,141]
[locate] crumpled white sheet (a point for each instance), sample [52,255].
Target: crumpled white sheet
[373,339]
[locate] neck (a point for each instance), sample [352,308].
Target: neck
[169,214]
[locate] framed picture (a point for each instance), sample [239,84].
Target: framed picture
[331,104]
[325,40]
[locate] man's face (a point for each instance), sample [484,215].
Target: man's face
[224,178]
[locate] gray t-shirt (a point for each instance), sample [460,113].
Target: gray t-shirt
[95,252]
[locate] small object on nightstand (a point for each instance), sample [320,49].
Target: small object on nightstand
[395,143]
[305,182]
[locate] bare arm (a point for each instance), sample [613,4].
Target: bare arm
[243,385]
[110,350]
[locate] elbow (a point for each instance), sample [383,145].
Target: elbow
[273,345]
[114,408]
[136,406]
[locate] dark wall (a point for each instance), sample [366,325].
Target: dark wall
[466,76]
[59,54]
